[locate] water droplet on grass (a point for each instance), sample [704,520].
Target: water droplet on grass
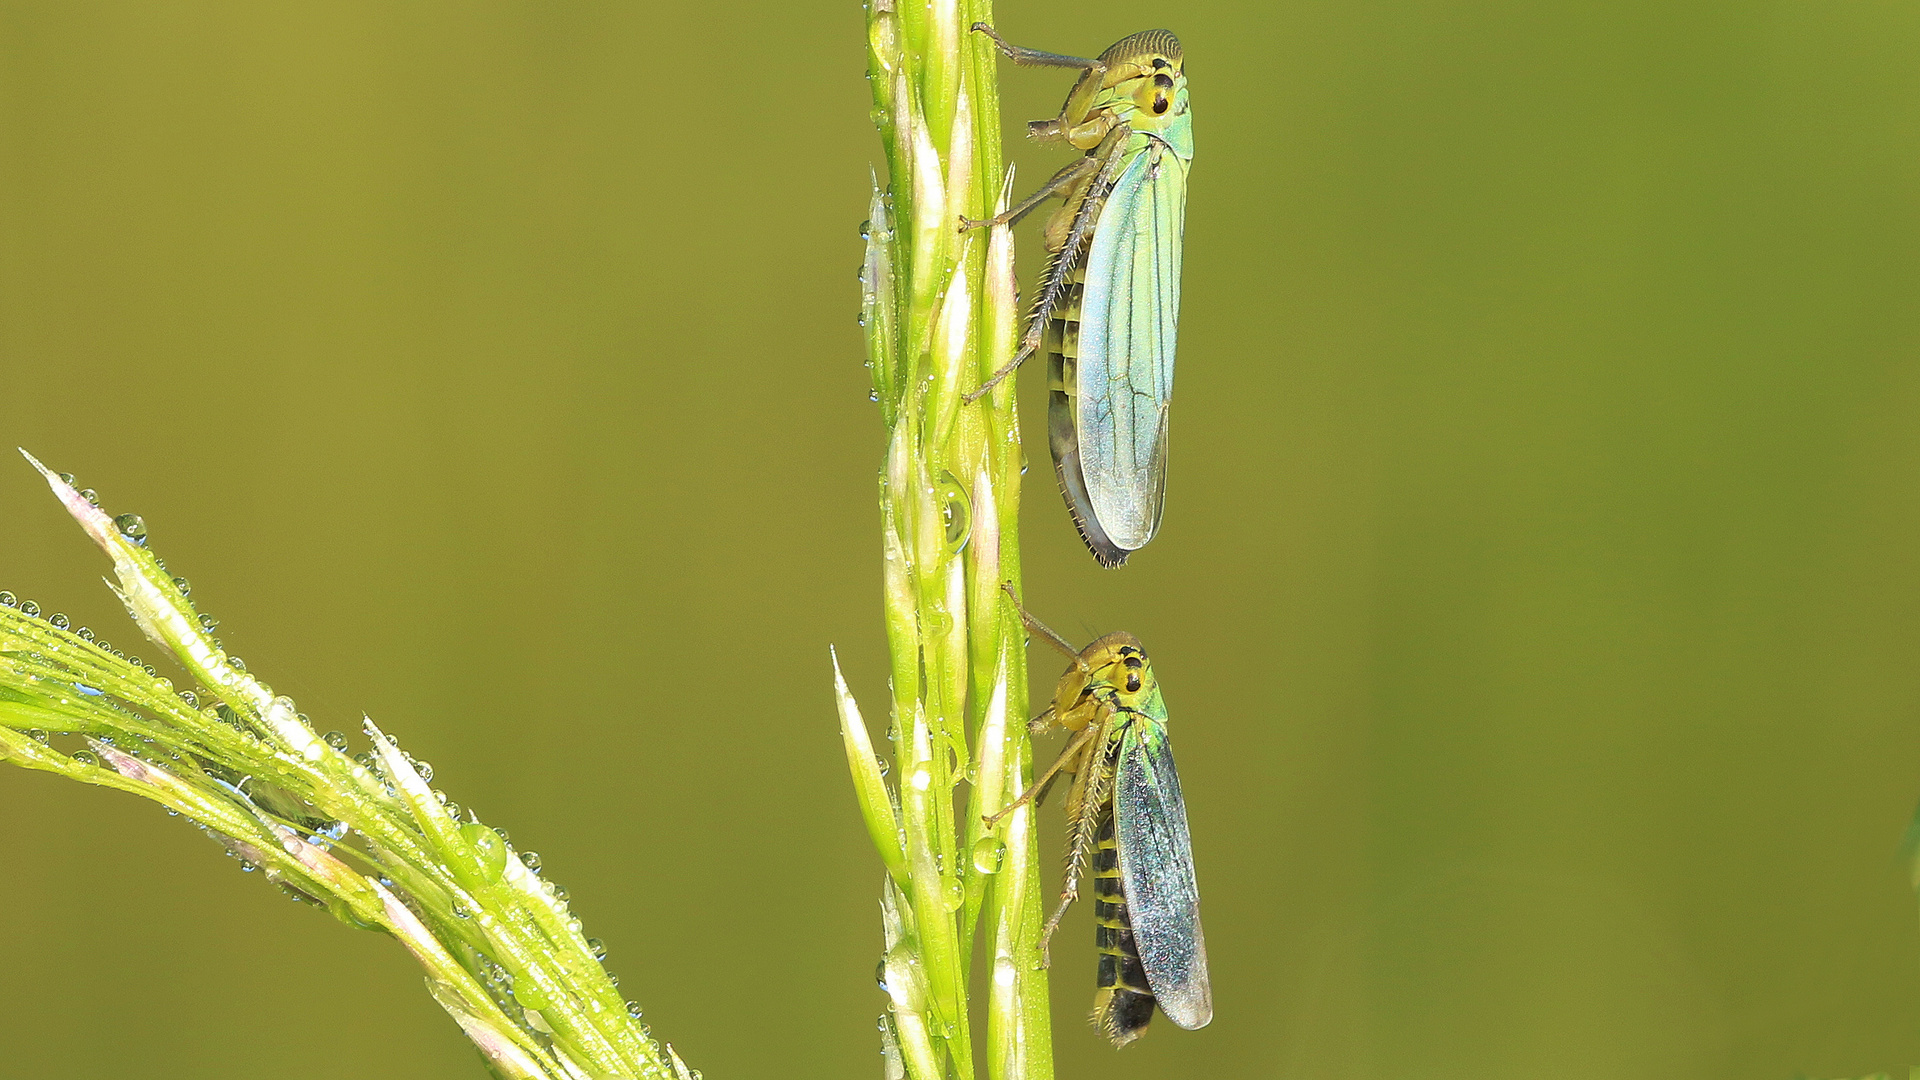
[956,512]
[988,853]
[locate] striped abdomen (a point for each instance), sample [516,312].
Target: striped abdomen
[1062,345]
[1122,1004]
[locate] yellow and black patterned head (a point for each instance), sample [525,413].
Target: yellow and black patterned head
[1144,79]
[1111,672]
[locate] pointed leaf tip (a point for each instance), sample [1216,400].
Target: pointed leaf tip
[869,788]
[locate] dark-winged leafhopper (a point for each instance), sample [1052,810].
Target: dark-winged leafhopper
[1126,816]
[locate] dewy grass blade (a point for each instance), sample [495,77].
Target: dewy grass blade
[367,837]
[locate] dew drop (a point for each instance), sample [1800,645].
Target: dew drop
[884,765]
[861,318]
[84,634]
[866,227]
[597,947]
[559,892]
[335,739]
[529,994]
[85,757]
[185,588]
[633,1010]
[531,859]
[236,663]
[92,496]
[37,735]
[208,622]
[7,599]
[489,848]
[65,478]
[425,770]
[30,609]
[133,527]
[956,512]
[939,622]
[988,853]
[880,975]
[192,699]
[953,894]
[59,620]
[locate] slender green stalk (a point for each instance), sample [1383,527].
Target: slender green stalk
[941,312]
[363,836]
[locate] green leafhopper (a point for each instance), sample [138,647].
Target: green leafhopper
[1126,815]
[1109,303]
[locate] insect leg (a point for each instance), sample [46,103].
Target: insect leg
[1020,54]
[1096,790]
[1074,749]
[1111,158]
[1043,629]
[1079,101]
[1064,178]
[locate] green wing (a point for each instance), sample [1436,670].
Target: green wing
[1156,870]
[1129,311]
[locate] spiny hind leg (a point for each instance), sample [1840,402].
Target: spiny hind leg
[1093,786]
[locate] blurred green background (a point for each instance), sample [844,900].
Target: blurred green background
[1536,601]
